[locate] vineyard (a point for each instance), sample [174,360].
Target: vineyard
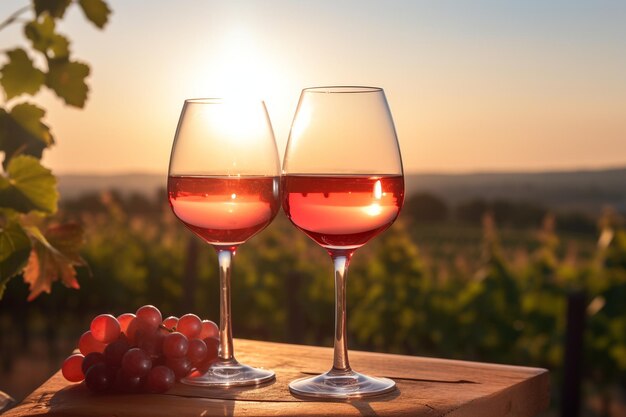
[436,287]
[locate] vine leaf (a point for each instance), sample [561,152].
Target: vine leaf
[96,11]
[59,47]
[23,132]
[43,38]
[39,32]
[55,8]
[67,79]
[28,186]
[53,257]
[19,75]
[15,247]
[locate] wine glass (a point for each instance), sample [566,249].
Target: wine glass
[342,185]
[223,184]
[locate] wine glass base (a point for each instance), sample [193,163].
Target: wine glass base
[341,385]
[230,374]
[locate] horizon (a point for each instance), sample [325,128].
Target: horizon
[584,191]
[476,172]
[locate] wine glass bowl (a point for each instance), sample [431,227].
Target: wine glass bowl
[223,184]
[342,185]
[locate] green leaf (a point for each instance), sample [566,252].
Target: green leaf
[53,257]
[39,31]
[19,75]
[42,36]
[8,215]
[96,11]
[59,47]
[28,117]
[67,80]
[29,186]
[23,132]
[15,247]
[55,8]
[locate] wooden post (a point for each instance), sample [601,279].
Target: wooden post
[572,373]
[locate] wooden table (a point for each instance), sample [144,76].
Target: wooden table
[426,387]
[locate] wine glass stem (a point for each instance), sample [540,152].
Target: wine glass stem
[225,257]
[340,361]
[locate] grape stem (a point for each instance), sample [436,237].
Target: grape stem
[172,330]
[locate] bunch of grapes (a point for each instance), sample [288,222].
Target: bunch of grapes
[141,352]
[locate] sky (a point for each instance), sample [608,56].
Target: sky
[519,85]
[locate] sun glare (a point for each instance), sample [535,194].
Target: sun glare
[375,208]
[240,68]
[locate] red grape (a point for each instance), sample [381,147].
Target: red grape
[170,322]
[114,352]
[105,328]
[197,351]
[150,314]
[190,325]
[71,368]
[209,329]
[98,378]
[180,366]
[87,344]
[91,359]
[137,329]
[213,346]
[125,383]
[136,362]
[197,372]
[139,353]
[160,379]
[124,320]
[151,343]
[201,368]
[175,345]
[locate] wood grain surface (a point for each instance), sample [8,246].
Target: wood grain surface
[426,387]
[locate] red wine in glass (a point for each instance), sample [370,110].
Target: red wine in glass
[224,210]
[343,211]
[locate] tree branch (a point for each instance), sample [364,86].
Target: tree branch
[13,17]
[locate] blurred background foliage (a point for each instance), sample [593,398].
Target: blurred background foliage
[485,281]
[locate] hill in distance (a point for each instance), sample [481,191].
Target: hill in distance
[588,191]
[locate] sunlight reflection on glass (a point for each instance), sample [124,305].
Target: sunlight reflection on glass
[378,190]
[302,122]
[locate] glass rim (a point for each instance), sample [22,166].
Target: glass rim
[342,89]
[222,100]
